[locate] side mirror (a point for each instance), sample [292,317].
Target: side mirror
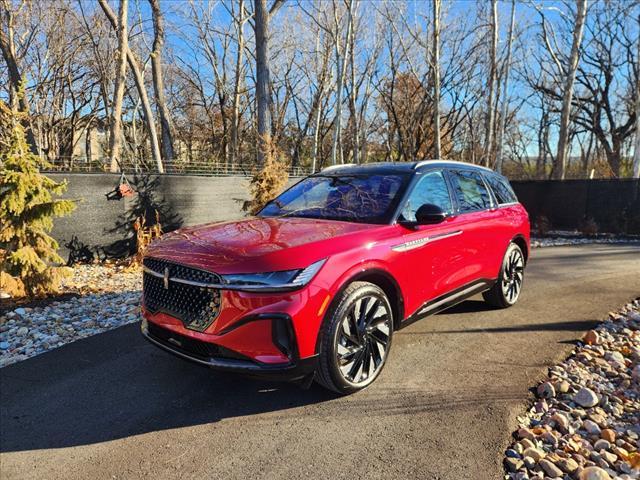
[429,214]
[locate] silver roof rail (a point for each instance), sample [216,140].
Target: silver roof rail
[333,167]
[422,163]
[449,162]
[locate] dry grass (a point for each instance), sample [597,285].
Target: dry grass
[267,183]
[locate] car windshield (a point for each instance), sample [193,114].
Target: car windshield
[351,198]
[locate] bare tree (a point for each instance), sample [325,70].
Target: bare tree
[323,77]
[489,130]
[239,19]
[118,94]
[341,67]
[327,81]
[436,77]
[364,56]
[263,81]
[168,153]
[505,92]
[636,150]
[142,91]
[7,45]
[567,97]
[602,104]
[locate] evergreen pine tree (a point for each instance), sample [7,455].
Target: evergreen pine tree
[27,210]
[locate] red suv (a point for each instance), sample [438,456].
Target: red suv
[315,285]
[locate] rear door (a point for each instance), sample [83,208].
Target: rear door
[477,214]
[506,226]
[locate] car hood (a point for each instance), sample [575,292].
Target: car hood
[260,244]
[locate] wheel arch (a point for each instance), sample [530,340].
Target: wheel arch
[522,243]
[383,279]
[389,286]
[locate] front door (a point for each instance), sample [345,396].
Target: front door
[433,253]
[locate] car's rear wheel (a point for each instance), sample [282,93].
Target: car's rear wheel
[355,339]
[507,288]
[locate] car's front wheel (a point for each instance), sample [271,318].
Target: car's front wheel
[507,288]
[355,339]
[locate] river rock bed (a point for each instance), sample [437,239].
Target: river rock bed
[585,424]
[108,296]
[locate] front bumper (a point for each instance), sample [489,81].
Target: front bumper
[213,356]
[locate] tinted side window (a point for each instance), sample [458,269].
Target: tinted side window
[501,189]
[431,188]
[470,191]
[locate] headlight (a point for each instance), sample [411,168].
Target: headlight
[270,281]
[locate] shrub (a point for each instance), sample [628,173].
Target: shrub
[267,183]
[144,236]
[27,209]
[10,286]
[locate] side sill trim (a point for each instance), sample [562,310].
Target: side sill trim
[449,300]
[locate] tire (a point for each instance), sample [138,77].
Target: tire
[506,291]
[355,336]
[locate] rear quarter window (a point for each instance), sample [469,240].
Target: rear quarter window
[501,189]
[470,191]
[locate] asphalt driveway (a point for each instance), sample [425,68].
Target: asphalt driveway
[112,406]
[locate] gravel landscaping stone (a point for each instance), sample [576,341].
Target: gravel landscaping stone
[589,429]
[108,297]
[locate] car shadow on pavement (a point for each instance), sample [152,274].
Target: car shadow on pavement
[468,306]
[571,326]
[115,385]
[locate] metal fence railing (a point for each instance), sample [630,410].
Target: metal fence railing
[179,167]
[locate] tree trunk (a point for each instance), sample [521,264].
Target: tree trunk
[235,112]
[88,143]
[436,77]
[341,64]
[321,73]
[562,151]
[488,144]
[316,133]
[505,93]
[262,78]
[168,153]
[587,156]
[636,151]
[614,157]
[355,124]
[118,92]
[142,91]
[8,47]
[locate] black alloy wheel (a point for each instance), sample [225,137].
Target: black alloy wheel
[356,339]
[508,287]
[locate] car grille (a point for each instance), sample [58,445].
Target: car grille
[191,346]
[197,307]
